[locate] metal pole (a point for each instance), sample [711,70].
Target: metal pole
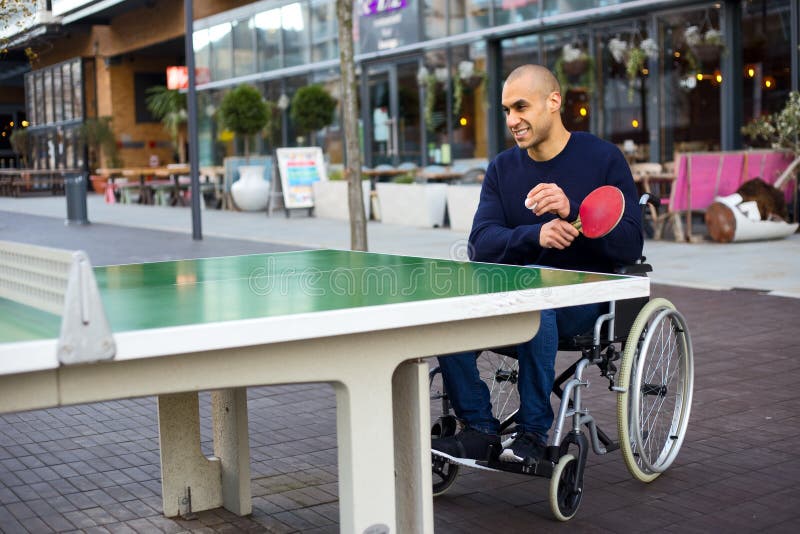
[191,104]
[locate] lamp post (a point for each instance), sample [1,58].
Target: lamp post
[191,104]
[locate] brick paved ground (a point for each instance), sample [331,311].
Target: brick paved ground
[95,468]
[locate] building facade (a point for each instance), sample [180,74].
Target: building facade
[653,76]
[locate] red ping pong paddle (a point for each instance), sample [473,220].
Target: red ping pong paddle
[600,212]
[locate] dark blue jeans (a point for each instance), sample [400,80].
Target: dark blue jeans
[469,395]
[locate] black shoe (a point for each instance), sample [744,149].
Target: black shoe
[469,443]
[526,448]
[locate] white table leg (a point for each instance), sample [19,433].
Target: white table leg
[184,469]
[232,447]
[366,456]
[412,447]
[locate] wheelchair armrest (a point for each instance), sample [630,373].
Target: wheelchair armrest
[639,269]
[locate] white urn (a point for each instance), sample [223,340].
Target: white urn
[250,192]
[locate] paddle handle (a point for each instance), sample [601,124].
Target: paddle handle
[578,224]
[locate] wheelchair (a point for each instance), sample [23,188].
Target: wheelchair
[643,349]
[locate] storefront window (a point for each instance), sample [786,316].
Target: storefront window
[243,48]
[765,41]
[468,15]
[268,38]
[469,139]
[202,50]
[294,19]
[508,11]
[324,30]
[625,81]
[66,74]
[690,82]
[221,43]
[567,55]
[435,19]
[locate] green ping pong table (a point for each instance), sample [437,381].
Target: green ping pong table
[359,321]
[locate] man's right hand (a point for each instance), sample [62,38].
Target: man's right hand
[557,233]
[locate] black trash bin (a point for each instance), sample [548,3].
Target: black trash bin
[75,187]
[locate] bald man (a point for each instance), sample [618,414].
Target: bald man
[530,194]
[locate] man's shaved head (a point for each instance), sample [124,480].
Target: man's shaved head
[541,79]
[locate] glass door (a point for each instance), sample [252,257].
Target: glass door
[393,114]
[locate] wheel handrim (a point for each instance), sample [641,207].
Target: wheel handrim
[661,392]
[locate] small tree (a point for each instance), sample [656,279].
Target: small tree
[245,112]
[312,108]
[169,106]
[21,144]
[782,131]
[97,134]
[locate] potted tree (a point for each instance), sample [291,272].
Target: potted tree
[101,143]
[312,108]
[169,106]
[245,112]
[21,144]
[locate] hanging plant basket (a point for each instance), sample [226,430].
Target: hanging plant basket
[706,53]
[576,68]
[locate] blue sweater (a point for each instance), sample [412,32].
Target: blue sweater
[505,231]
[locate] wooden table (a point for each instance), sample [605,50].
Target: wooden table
[13,180]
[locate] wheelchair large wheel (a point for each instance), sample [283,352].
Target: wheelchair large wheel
[564,500]
[500,373]
[656,376]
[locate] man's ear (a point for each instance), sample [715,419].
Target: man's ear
[554,102]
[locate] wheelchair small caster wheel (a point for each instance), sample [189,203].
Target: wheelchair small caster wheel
[564,500]
[444,474]
[444,471]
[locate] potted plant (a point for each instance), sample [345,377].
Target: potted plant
[575,69]
[98,136]
[706,46]
[312,108]
[245,112]
[782,131]
[634,57]
[169,106]
[330,196]
[21,144]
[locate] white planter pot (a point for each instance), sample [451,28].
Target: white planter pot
[412,204]
[462,203]
[330,199]
[250,192]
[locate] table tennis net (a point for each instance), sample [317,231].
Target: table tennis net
[61,282]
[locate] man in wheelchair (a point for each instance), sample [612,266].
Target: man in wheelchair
[530,194]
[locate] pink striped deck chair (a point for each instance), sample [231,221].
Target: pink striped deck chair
[769,165]
[699,178]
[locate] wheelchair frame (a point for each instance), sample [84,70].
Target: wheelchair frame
[645,390]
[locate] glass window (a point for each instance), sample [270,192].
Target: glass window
[324,30]
[30,99]
[623,79]
[435,18]
[765,41]
[508,11]
[202,50]
[690,82]
[244,60]
[77,84]
[220,38]
[567,55]
[469,103]
[268,38]
[48,96]
[58,96]
[69,90]
[294,19]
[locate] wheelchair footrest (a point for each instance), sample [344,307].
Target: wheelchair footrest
[538,467]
